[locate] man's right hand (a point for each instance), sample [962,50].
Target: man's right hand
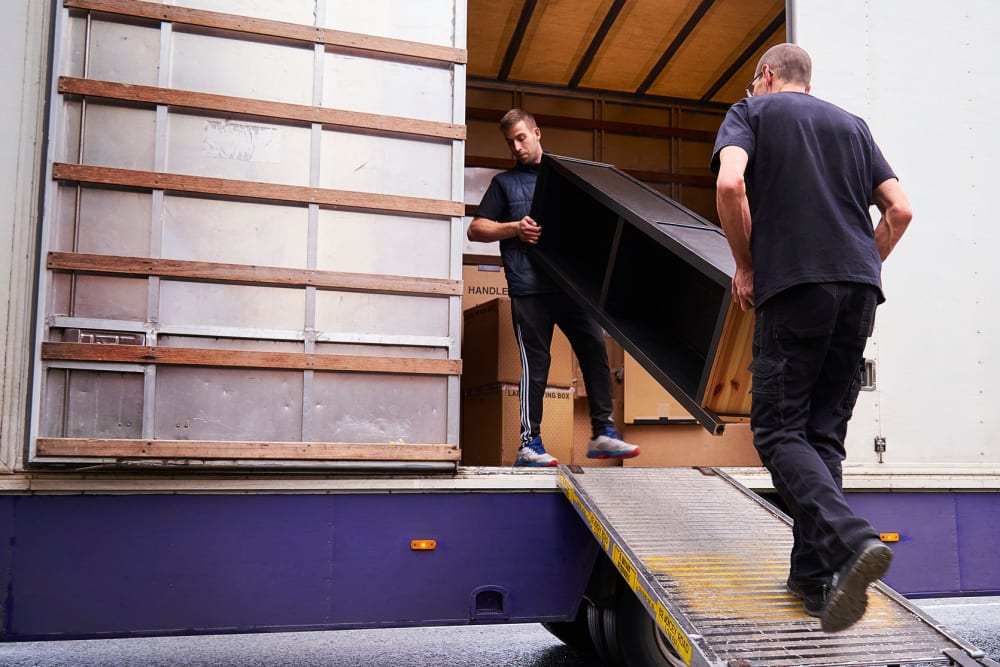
[528,230]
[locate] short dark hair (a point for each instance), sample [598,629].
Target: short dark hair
[789,61]
[515,116]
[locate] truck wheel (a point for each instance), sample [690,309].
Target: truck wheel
[637,639]
[595,625]
[575,633]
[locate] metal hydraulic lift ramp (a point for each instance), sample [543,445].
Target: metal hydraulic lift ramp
[708,559]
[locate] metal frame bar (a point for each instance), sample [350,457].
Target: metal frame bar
[675,45]
[596,42]
[742,59]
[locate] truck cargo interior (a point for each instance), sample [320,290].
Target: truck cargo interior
[640,85]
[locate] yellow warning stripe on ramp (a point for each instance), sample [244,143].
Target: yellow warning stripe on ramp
[664,620]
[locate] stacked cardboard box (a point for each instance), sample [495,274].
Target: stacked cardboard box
[482,283]
[492,424]
[667,433]
[490,378]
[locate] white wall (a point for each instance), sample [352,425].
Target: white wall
[24,34]
[924,76]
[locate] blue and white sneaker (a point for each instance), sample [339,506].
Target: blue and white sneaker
[609,445]
[532,454]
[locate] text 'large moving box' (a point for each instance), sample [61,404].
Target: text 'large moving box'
[492,425]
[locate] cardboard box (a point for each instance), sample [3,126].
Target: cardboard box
[482,283]
[491,425]
[676,445]
[646,401]
[490,353]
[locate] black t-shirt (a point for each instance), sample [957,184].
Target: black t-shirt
[812,170]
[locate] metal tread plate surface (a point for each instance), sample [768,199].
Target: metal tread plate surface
[709,560]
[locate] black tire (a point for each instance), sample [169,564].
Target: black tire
[575,633]
[595,625]
[611,619]
[638,640]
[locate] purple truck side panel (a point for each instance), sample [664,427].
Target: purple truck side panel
[978,520]
[947,541]
[119,565]
[79,566]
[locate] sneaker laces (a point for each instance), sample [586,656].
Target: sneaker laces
[610,432]
[535,445]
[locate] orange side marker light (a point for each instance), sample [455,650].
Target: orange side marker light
[423,545]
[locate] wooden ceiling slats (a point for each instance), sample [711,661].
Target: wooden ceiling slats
[744,59]
[679,39]
[695,50]
[596,42]
[514,46]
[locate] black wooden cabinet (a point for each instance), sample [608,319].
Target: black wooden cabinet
[655,275]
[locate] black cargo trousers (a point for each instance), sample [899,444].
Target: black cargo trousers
[534,318]
[808,350]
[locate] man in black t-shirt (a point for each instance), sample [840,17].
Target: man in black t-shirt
[538,304]
[796,179]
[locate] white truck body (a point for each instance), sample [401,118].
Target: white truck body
[922,77]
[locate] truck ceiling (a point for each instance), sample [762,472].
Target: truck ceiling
[701,50]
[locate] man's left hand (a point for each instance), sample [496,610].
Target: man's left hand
[743,288]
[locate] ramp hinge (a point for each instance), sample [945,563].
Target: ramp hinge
[963,659]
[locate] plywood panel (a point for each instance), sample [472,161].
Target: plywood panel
[726,30]
[557,38]
[643,31]
[491,24]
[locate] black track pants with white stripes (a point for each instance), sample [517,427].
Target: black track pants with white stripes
[534,318]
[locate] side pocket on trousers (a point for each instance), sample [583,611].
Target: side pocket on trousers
[766,390]
[854,391]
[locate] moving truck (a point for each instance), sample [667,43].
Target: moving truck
[231,263]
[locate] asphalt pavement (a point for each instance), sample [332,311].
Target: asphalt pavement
[977,620]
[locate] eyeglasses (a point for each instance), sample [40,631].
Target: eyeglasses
[749,87]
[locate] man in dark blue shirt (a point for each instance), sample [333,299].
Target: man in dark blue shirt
[796,178]
[538,304]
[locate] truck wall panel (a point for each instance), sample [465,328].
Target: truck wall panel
[221,187]
[185,564]
[936,342]
[948,543]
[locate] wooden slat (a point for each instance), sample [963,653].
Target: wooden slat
[728,390]
[514,46]
[269,28]
[215,449]
[251,275]
[179,356]
[152,180]
[679,38]
[334,118]
[743,59]
[595,43]
[568,122]
[647,176]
